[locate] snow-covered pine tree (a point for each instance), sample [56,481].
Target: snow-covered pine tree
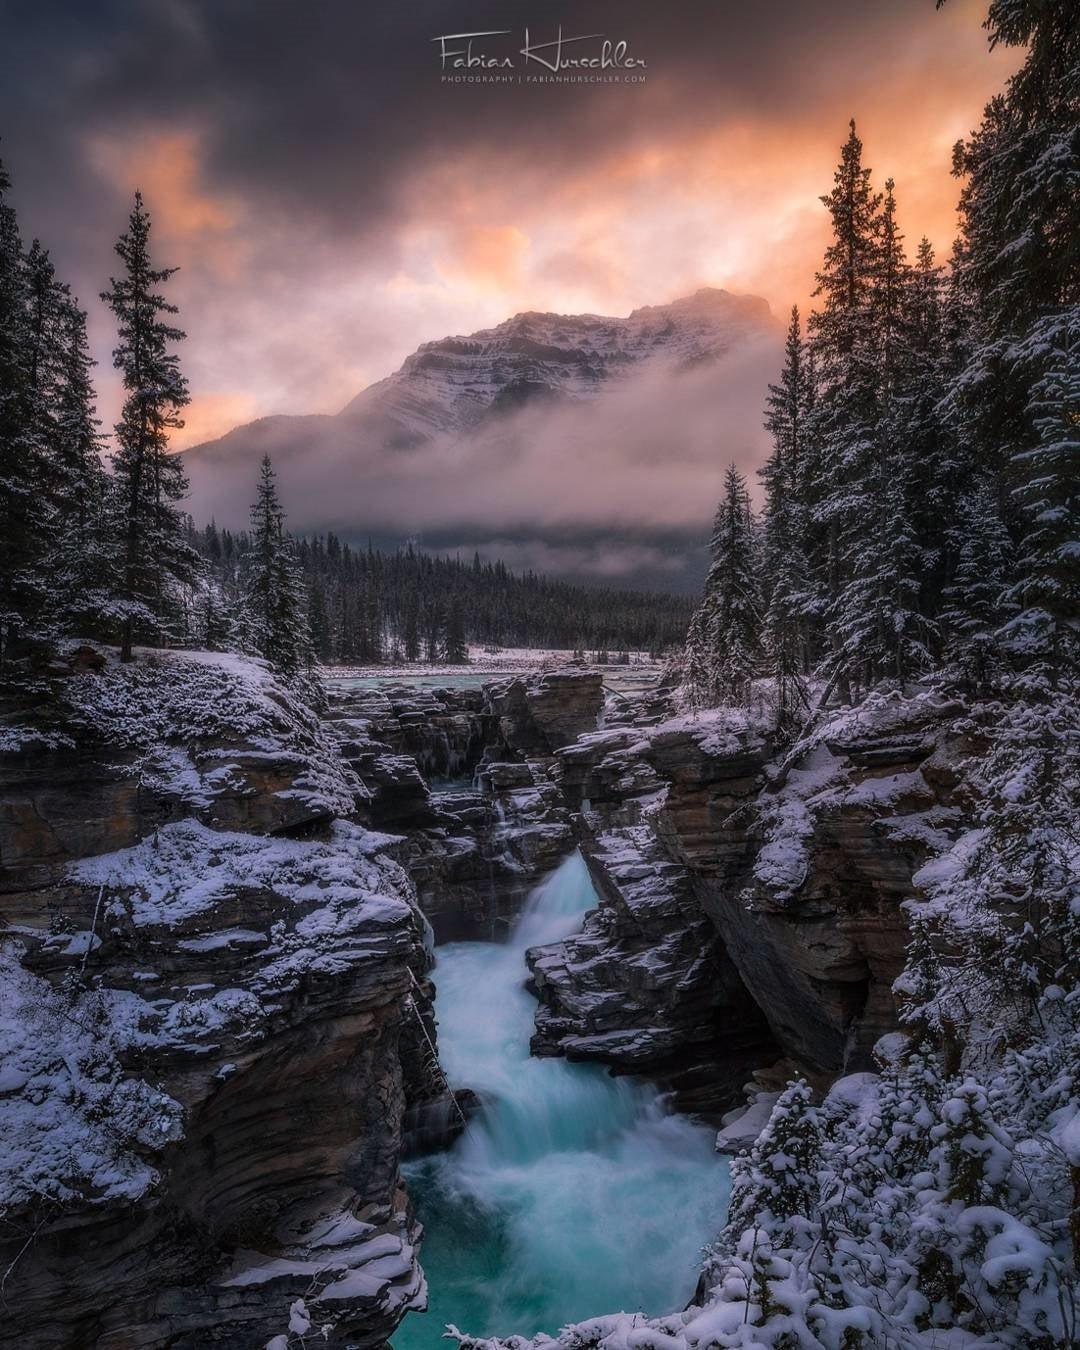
[80,561]
[876,622]
[23,515]
[846,406]
[730,621]
[1019,266]
[774,1186]
[147,480]
[1048,586]
[973,602]
[784,565]
[277,599]
[934,430]
[694,663]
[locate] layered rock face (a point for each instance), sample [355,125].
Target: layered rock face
[751,905]
[648,986]
[451,384]
[211,1030]
[804,871]
[466,776]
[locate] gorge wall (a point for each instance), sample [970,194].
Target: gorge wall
[750,913]
[215,1007]
[790,873]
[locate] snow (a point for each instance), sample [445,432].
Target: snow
[741,1128]
[15,738]
[198,717]
[717,731]
[504,661]
[73,1126]
[226,938]
[185,869]
[787,822]
[1068,1138]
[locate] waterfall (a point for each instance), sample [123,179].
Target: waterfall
[571,1193]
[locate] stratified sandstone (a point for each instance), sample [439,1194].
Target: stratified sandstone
[211,1030]
[751,905]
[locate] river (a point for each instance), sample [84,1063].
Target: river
[571,1193]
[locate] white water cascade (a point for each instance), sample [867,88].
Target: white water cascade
[571,1193]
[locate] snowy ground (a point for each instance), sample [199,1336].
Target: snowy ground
[485,666]
[505,661]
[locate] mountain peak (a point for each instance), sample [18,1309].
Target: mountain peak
[451,384]
[534,438]
[711,300]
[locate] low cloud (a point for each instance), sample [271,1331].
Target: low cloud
[614,488]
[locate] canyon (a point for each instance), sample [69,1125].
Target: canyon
[220,911]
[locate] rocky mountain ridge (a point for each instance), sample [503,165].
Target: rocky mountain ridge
[452,384]
[448,386]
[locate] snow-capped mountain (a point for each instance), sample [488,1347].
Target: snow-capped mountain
[453,384]
[575,444]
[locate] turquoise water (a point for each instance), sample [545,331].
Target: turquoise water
[572,1193]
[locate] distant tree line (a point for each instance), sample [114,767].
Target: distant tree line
[365,606]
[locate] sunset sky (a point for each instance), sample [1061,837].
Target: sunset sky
[332,204]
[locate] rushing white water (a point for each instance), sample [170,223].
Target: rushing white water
[571,1193]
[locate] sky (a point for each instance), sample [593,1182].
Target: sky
[331,201]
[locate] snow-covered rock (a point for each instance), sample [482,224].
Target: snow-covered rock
[210,1031]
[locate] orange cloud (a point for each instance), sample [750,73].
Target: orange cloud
[212,415]
[166,167]
[486,256]
[735,203]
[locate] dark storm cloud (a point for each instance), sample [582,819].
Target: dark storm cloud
[325,109]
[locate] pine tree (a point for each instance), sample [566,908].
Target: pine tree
[277,599]
[774,1187]
[875,620]
[23,518]
[148,481]
[694,665]
[1049,492]
[785,569]
[1019,268]
[731,611]
[434,628]
[455,648]
[973,603]
[411,626]
[319,621]
[81,559]
[847,410]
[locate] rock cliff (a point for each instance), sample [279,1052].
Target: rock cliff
[751,902]
[215,1013]
[466,777]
